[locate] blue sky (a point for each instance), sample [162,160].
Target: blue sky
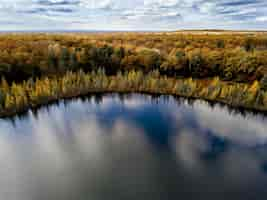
[132,14]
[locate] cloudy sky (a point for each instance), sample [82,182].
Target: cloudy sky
[132,14]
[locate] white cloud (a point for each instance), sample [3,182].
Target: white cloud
[262,19]
[94,4]
[132,14]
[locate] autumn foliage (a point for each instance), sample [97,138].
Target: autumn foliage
[233,57]
[36,69]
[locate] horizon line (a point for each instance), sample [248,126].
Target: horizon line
[125,31]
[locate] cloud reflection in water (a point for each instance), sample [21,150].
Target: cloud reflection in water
[132,148]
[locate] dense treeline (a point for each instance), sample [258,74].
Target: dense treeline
[16,98]
[36,69]
[233,57]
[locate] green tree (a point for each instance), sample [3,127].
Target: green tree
[248,44]
[52,59]
[150,59]
[196,63]
[73,62]
[263,83]
[64,59]
[220,44]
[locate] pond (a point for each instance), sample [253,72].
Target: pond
[133,147]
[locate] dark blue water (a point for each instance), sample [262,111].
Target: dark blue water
[133,147]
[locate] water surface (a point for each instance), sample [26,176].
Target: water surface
[133,147]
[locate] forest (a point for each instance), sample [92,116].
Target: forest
[38,68]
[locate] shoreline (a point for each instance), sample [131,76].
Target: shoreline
[184,88]
[253,110]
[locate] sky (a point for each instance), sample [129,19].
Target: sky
[132,15]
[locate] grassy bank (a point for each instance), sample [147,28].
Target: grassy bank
[17,98]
